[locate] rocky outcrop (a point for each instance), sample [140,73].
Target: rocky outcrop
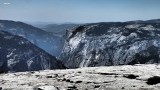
[18,54]
[47,41]
[134,77]
[112,43]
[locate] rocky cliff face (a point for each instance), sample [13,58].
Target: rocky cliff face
[49,42]
[115,43]
[18,54]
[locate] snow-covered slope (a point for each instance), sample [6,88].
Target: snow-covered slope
[113,43]
[130,77]
[18,54]
[47,41]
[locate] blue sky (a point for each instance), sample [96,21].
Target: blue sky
[79,11]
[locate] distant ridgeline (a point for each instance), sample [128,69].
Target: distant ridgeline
[112,43]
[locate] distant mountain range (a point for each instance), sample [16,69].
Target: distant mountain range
[59,29]
[18,54]
[49,42]
[112,43]
[147,21]
[88,45]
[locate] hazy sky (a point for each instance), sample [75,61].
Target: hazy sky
[79,10]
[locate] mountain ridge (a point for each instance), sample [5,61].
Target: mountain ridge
[45,40]
[112,43]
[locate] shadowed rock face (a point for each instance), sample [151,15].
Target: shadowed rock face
[105,44]
[18,54]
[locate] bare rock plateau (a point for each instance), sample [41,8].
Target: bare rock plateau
[128,77]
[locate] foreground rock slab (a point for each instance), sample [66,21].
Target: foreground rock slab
[135,77]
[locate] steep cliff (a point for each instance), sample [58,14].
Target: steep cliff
[112,43]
